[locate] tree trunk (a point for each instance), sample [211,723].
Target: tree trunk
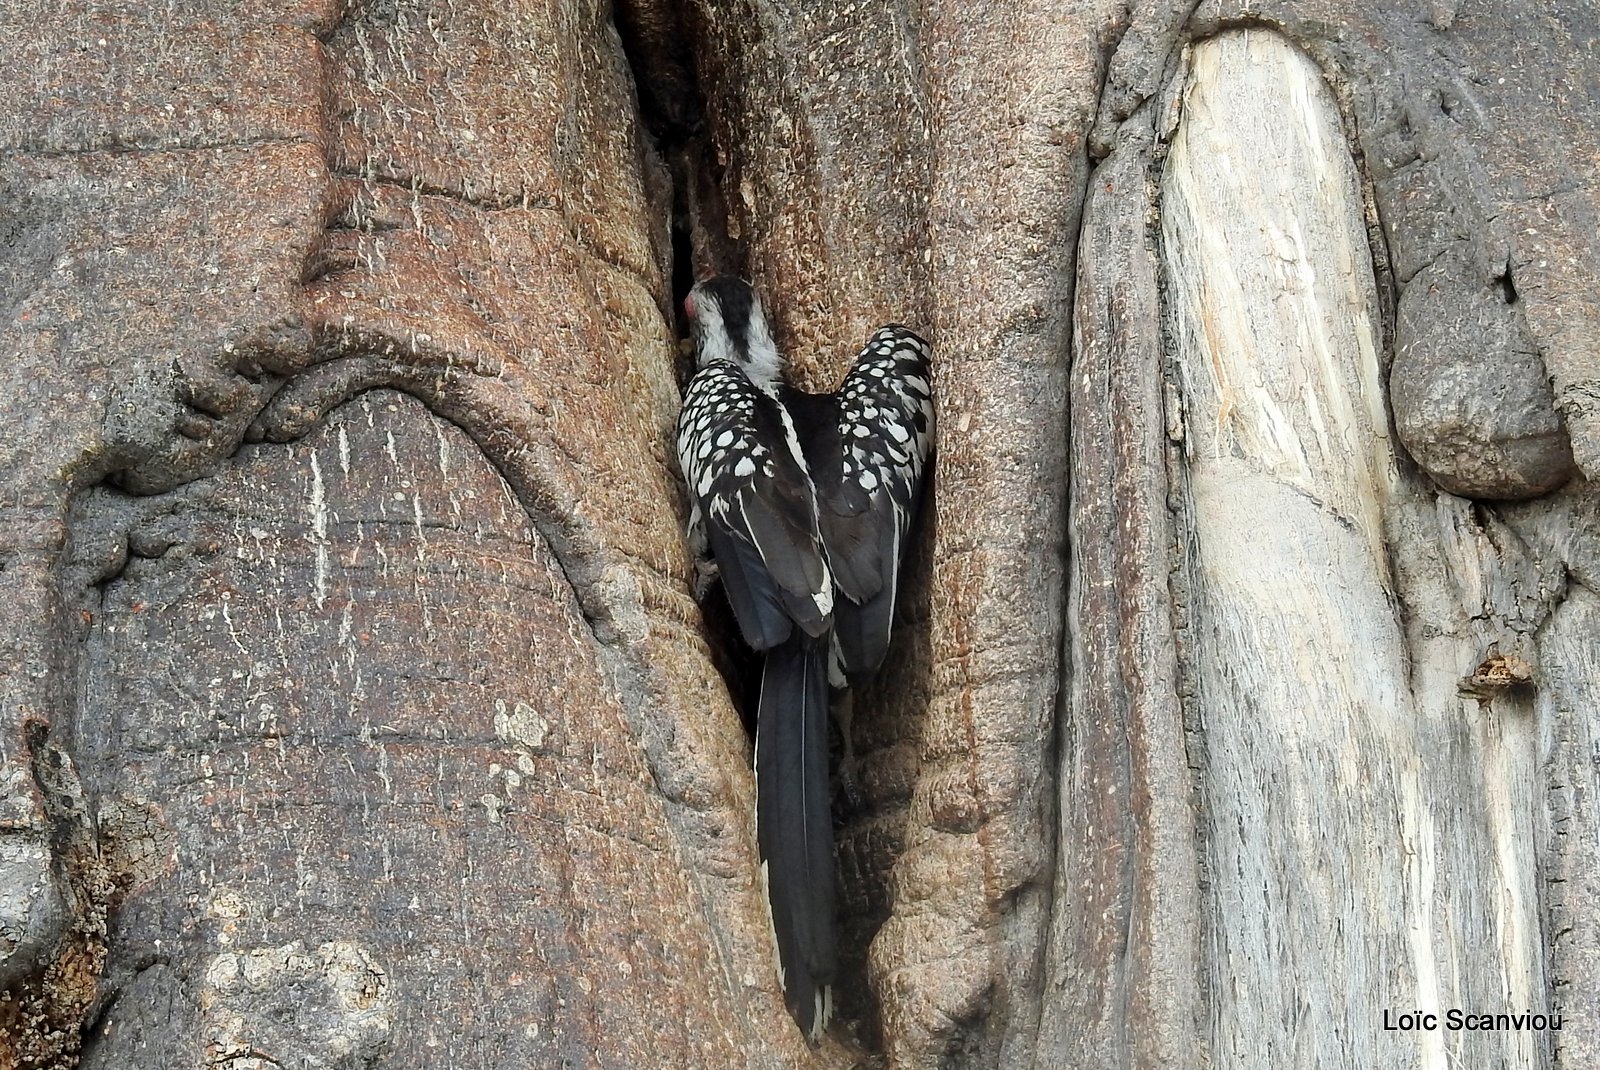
[355,710]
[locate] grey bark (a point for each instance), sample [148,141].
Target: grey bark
[355,711]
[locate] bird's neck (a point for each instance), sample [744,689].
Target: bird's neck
[764,364]
[755,355]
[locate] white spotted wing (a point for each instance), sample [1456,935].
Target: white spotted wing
[869,470]
[751,495]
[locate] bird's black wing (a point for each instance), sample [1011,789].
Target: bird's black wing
[756,504]
[868,469]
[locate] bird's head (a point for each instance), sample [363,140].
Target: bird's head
[729,325]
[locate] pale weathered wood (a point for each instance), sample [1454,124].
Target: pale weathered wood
[1567,708]
[1369,832]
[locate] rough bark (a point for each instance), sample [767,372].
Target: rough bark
[354,708]
[399,198]
[1124,951]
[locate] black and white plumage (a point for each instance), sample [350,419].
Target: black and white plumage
[805,501]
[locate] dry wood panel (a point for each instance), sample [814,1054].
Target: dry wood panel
[1570,654]
[1367,832]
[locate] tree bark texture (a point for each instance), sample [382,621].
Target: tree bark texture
[355,709]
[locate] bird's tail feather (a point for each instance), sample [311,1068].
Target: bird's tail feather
[794,824]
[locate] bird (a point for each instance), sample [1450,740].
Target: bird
[805,503]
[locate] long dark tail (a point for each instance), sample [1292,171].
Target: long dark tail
[794,824]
